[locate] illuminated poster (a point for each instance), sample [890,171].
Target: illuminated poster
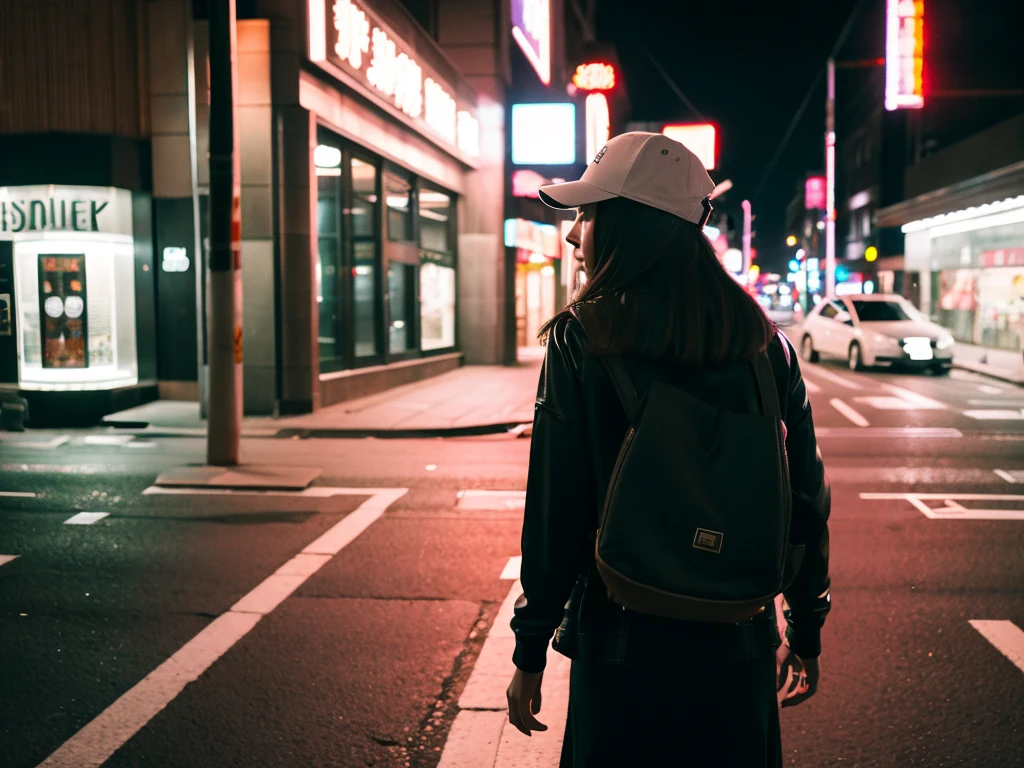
[62,310]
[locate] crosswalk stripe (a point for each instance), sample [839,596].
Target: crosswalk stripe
[849,412]
[811,386]
[86,518]
[833,377]
[1006,636]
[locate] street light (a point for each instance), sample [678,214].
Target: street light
[791,240]
[871,253]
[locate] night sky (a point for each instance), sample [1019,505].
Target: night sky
[746,66]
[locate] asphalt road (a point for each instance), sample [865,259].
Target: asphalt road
[364,660]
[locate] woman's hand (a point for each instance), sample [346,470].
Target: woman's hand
[797,678]
[524,701]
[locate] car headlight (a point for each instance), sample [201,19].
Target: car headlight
[944,343]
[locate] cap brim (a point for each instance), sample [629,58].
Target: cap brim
[572,194]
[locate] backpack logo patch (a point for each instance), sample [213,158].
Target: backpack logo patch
[709,541]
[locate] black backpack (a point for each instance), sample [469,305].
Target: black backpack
[695,523]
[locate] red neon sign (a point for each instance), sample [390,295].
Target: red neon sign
[595,76]
[814,193]
[904,54]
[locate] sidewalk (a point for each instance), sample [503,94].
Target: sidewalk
[998,363]
[470,400]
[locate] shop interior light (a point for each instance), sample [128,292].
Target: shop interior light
[326,157]
[538,258]
[966,214]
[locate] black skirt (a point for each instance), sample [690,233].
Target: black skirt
[706,714]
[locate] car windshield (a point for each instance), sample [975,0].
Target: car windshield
[883,311]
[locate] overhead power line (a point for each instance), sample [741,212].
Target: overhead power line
[847,28]
[675,88]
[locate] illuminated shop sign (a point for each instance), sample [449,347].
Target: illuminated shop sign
[598,123]
[904,54]
[532,236]
[531,29]
[527,183]
[345,36]
[51,208]
[543,134]
[814,193]
[699,138]
[595,76]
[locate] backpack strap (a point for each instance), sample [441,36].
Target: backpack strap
[769,393]
[623,385]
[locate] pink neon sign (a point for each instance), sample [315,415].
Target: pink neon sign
[904,54]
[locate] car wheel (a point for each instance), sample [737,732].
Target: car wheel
[854,359]
[807,350]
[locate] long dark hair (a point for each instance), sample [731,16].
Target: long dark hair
[659,291]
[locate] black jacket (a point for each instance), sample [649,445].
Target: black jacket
[577,432]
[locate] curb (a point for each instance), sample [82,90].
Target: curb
[987,371]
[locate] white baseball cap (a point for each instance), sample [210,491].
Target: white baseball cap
[649,168]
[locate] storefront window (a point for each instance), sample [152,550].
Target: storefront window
[435,226]
[74,270]
[1001,307]
[401,299]
[437,306]
[328,268]
[364,258]
[399,199]
[958,302]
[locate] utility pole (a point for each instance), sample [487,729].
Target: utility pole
[224,279]
[830,181]
[746,238]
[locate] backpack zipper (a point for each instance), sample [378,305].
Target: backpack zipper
[615,473]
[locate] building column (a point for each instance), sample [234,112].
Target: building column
[472,34]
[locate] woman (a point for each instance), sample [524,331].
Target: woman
[646,690]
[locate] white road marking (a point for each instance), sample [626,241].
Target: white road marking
[889,403]
[811,386]
[914,397]
[493,500]
[833,377]
[996,415]
[952,510]
[101,738]
[316,492]
[849,412]
[5,559]
[1006,636]
[476,740]
[512,568]
[107,439]
[18,494]
[86,518]
[996,403]
[140,444]
[988,389]
[1005,475]
[942,433]
[45,445]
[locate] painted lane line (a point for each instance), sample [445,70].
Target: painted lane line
[1006,636]
[996,403]
[512,568]
[941,433]
[811,387]
[848,412]
[886,403]
[833,377]
[140,444]
[917,399]
[316,492]
[100,739]
[17,494]
[5,559]
[45,445]
[952,509]
[996,415]
[1005,475]
[86,518]
[107,439]
[988,389]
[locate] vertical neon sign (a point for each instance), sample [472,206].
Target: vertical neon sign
[531,29]
[904,54]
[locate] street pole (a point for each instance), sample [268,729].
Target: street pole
[746,238]
[224,280]
[830,181]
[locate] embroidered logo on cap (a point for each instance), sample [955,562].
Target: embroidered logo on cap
[600,154]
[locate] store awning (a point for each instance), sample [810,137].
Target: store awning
[990,187]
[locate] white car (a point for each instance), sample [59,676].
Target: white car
[875,329]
